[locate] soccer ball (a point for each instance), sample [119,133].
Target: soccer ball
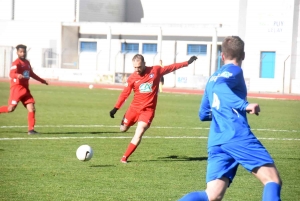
[91,86]
[84,153]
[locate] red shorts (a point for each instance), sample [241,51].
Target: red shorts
[20,93]
[132,116]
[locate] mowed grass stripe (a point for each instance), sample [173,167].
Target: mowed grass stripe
[127,137]
[157,127]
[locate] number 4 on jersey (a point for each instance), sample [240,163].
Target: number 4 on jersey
[216,102]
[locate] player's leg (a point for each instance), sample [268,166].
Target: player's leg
[31,118]
[135,141]
[215,191]
[28,102]
[160,86]
[129,119]
[142,126]
[253,156]
[13,100]
[124,127]
[221,169]
[7,109]
[269,176]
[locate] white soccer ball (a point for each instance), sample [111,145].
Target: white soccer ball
[91,86]
[84,153]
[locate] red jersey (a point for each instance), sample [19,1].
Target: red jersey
[146,86]
[22,67]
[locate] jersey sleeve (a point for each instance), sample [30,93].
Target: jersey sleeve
[13,71]
[125,93]
[173,67]
[205,113]
[36,77]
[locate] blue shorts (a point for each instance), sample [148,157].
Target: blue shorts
[223,160]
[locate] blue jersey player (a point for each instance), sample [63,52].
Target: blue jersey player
[230,140]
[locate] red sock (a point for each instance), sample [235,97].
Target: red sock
[130,149]
[31,120]
[4,109]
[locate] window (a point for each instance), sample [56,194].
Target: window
[219,57]
[267,64]
[149,48]
[50,58]
[88,46]
[130,48]
[196,49]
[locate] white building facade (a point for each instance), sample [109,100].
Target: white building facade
[94,41]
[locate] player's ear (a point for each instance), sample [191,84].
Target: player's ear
[222,56]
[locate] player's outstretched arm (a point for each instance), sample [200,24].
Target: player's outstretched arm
[36,77]
[45,82]
[170,68]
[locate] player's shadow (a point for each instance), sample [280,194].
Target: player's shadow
[180,158]
[79,132]
[101,166]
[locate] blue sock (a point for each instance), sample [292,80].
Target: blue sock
[195,196]
[271,192]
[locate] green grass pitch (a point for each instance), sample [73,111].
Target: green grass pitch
[170,161]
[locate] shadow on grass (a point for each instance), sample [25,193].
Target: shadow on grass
[179,158]
[79,132]
[99,166]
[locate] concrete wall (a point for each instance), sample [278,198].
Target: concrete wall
[265,25]
[35,35]
[101,11]
[270,31]
[6,9]
[45,11]
[69,45]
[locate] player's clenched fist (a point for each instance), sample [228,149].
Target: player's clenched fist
[113,112]
[193,58]
[253,108]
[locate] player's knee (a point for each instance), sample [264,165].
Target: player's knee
[277,180]
[215,197]
[30,108]
[11,108]
[123,128]
[216,194]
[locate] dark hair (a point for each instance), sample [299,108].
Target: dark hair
[21,46]
[233,48]
[138,57]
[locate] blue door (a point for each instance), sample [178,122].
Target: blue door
[267,64]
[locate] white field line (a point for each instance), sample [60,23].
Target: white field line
[157,127]
[125,137]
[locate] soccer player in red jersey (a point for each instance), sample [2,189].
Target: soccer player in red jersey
[20,73]
[145,84]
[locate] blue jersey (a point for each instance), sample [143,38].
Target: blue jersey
[224,104]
